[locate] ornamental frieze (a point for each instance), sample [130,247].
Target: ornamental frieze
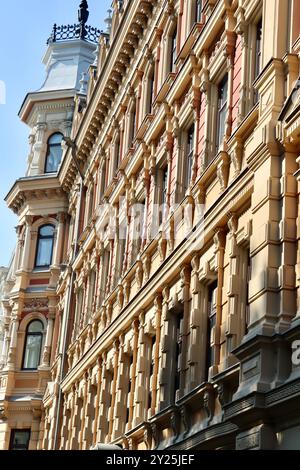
[36,305]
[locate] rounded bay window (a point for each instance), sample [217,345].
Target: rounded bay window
[33,345]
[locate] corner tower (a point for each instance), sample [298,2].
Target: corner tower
[49,110]
[32,313]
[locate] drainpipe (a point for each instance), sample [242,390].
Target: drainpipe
[70,144]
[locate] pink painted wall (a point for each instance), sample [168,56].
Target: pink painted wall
[237,76]
[201,134]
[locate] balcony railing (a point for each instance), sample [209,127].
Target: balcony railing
[74,31]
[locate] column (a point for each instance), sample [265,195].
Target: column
[39,148]
[27,244]
[165,370]
[97,404]
[242,31]
[118,348]
[157,326]
[205,88]
[11,363]
[87,435]
[288,228]
[140,395]
[184,297]
[3,357]
[105,400]
[120,405]
[235,315]
[220,242]
[64,425]
[18,250]
[131,396]
[197,110]
[59,240]
[195,352]
[48,342]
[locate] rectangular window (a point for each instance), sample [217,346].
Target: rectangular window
[92,289]
[105,275]
[139,229]
[117,155]
[120,257]
[91,204]
[188,164]
[178,350]
[19,439]
[152,346]
[198,8]
[150,92]
[79,306]
[129,390]
[109,386]
[132,126]
[258,54]
[103,180]
[222,111]
[247,281]
[258,48]
[163,192]
[211,323]
[173,51]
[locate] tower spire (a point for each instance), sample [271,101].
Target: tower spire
[83,16]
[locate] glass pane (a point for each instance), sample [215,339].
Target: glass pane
[35,327]
[223,92]
[47,231]
[222,119]
[33,351]
[53,158]
[44,254]
[20,440]
[55,139]
[198,10]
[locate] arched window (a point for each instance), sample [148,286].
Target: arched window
[44,250]
[54,153]
[33,345]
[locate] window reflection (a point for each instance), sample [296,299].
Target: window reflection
[54,153]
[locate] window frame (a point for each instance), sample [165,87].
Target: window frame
[189,155]
[132,125]
[49,146]
[152,345]
[173,49]
[198,10]
[177,352]
[150,88]
[12,435]
[40,237]
[257,56]
[27,334]
[211,314]
[162,175]
[221,110]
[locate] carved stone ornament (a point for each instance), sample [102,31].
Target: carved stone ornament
[36,305]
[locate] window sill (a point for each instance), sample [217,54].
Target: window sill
[46,269]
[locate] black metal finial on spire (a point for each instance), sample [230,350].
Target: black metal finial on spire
[83,16]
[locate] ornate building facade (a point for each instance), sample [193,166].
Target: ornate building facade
[153,298]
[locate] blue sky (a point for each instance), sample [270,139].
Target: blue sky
[25,27]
